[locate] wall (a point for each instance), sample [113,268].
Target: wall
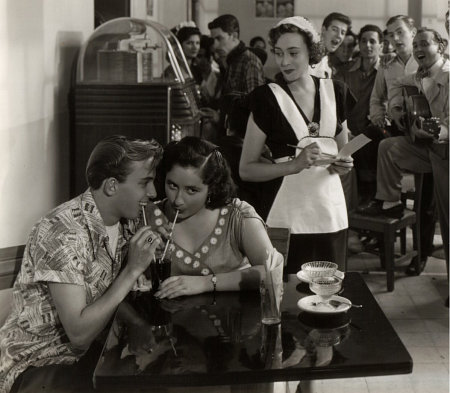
[38,43]
[167,12]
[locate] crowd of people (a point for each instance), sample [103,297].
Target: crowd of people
[268,157]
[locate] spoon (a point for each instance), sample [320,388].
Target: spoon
[337,303]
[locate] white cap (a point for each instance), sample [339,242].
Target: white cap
[303,24]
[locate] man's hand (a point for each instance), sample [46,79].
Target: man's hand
[419,132]
[142,249]
[398,116]
[379,121]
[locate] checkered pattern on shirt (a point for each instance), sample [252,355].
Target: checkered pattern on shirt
[245,72]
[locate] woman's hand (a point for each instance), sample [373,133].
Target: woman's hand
[176,286]
[307,157]
[341,167]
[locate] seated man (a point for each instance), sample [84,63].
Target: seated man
[420,153]
[72,279]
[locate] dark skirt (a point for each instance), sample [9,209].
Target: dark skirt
[317,247]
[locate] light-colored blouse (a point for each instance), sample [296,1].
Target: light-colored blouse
[222,250]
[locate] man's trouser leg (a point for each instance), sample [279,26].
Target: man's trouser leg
[395,155]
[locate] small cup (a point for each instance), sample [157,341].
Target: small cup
[319,269]
[325,287]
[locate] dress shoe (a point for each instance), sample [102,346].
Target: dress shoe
[411,268]
[375,208]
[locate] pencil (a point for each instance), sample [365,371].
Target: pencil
[321,153]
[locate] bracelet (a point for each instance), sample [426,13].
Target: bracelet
[214,281]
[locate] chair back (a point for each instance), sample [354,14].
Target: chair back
[280,240]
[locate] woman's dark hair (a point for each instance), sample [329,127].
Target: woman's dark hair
[316,49]
[113,156]
[186,32]
[214,169]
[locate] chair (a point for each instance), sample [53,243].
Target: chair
[386,230]
[280,240]
[6,297]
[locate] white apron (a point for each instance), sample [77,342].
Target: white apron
[311,201]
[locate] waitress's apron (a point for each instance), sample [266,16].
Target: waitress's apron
[311,201]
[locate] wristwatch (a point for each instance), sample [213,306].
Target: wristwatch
[214,281]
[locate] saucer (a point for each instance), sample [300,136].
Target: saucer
[306,304]
[302,276]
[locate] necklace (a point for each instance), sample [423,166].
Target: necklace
[313,128]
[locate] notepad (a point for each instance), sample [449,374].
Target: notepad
[347,150]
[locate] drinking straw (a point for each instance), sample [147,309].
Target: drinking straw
[143,213]
[170,236]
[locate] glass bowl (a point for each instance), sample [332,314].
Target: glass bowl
[325,287]
[319,269]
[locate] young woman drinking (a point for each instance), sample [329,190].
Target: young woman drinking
[218,242]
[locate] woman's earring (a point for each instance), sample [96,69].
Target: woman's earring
[208,200]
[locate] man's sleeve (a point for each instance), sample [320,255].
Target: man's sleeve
[378,98]
[57,260]
[254,75]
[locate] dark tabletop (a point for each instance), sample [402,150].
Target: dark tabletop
[195,342]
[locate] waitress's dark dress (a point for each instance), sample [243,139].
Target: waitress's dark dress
[311,203]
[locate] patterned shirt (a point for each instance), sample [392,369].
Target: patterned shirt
[244,73]
[69,245]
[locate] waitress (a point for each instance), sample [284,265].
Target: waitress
[301,119]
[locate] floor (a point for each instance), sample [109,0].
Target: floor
[416,309]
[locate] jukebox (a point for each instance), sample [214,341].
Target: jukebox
[122,87]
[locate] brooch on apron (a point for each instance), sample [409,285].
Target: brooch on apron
[313,128]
